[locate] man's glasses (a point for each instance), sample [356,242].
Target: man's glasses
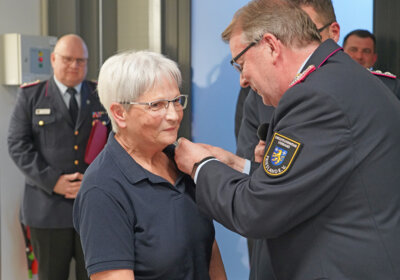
[179,103]
[323,27]
[236,65]
[68,60]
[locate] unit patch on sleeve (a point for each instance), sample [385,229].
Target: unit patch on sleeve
[280,155]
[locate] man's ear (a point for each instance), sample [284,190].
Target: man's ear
[334,31]
[273,44]
[52,59]
[118,112]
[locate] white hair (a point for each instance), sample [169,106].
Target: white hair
[126,76]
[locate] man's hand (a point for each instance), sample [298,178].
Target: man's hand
[68,185]
[226,157]
[259,151]
[188,153]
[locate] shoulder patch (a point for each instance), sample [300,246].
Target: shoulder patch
[24,85]
[380,73]
[280,155]
[303,75]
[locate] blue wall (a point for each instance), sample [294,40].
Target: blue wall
[215,86]
[354,14]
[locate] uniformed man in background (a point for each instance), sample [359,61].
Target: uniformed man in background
[325,196]
[47,139]
[361,46]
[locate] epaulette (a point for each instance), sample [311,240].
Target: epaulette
[385,74]
[94,81]
[24,85]
[303,75]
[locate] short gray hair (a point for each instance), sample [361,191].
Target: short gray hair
[126,76]
[286,21]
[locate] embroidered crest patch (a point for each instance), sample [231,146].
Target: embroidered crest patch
[280,155]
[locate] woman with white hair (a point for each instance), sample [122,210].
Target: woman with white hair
[136,212]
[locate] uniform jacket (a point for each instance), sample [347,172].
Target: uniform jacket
[334,213]
[254,114]
[44,144]
[390,81]
[239,109]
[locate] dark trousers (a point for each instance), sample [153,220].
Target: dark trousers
[54,250]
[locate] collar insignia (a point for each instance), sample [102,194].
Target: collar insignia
[24,85]
[280,155]
[303,75]
[380,73]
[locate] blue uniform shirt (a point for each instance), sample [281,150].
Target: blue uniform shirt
[129,218]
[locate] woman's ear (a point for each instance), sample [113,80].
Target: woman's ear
[119,114]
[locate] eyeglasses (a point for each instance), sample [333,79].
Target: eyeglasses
[179,103]
[236,65]
[323,27]
[68,60]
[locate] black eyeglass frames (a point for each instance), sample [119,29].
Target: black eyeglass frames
[323,27]
[236,65]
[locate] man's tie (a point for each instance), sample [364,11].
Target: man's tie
[73,105]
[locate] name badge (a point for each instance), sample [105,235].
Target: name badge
[43,111]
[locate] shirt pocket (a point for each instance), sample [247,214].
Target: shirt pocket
[45,129]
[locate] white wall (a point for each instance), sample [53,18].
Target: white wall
[133,24]
[16,16]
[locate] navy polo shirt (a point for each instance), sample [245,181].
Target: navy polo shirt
[129,218]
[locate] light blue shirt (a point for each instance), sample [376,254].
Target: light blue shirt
[66,96]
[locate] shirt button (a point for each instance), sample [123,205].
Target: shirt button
[41,123]
[76,147]
[76,132]
[76,162]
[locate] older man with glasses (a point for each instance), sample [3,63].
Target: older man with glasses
[48,136]
[255,112]
[325,195]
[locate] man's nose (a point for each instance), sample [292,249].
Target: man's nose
[243,81]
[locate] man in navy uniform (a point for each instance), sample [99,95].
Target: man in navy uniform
[360,45]
[325,196]
[47,139]
[322,14]
[256,113]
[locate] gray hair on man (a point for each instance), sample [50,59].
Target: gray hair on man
[286,21]
[126,76]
